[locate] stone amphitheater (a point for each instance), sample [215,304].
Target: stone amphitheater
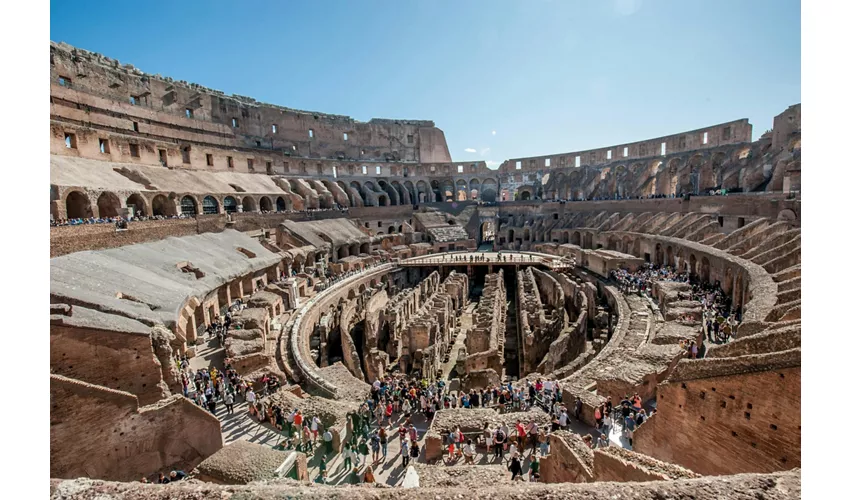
[351,251]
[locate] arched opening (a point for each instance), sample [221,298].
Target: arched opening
[423,192]
[510,236]
[613,244]
[575,238]
[280,204]
[248,204]
[669,257]
[487,235]
[137,205]
[659,254]
[705,270]
[77,206]
[435,188]
[210,205]
[354,249]
[229,205]
[525,196]
[728,281]
[162,206]
[364,248]
[383,200]
[108,204]
[265,204]
[391,230]
[692,264]
[188,206]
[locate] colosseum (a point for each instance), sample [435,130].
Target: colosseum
[253,300]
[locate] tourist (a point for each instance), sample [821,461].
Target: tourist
[468,452]
[534,469]
[607,423]
[629,427]
[329,441]
[314,427]
[520,436]
[414,450]
[375,442]
[602,441]
[499,441]
[251,398]
[488,436]
[405,452]
[368,475]
[306,439]
[362,452]
[383,437]
[533,435]
[544,445]
[515,467]
[228,402]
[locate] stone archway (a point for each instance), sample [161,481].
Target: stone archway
[248,204]
[266,204]
[188,206]
[210,205]
[77,206]
[163,206]
[139,205]
[230,205]
[108,204]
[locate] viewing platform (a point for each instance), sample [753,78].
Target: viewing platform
[487,259]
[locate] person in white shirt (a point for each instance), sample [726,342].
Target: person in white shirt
[468,452]
[314,427]
[562,420]
[251,398]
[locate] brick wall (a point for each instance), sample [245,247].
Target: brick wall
[727,424]
[121,361]
[101,433]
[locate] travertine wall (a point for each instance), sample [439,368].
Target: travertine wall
[104,434]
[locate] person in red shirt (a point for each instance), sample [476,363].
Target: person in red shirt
[520,435]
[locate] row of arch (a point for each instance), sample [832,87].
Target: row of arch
[78,205]
[731,278]
[383,192]
[674,176]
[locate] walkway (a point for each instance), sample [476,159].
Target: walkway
[487,258]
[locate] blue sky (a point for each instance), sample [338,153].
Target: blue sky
[503,78]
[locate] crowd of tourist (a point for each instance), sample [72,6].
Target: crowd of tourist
[642,279]
[720,321]
[141,217]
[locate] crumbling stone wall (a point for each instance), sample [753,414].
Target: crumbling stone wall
[104,434]
[485,342]
[430,330]
[728,415]
[123,361]
[569,460]
[619,464]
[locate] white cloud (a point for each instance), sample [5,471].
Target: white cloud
[493,132]
[469,150]
[485,151]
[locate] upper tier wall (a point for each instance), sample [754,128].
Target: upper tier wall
[250,123]
[734,132]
